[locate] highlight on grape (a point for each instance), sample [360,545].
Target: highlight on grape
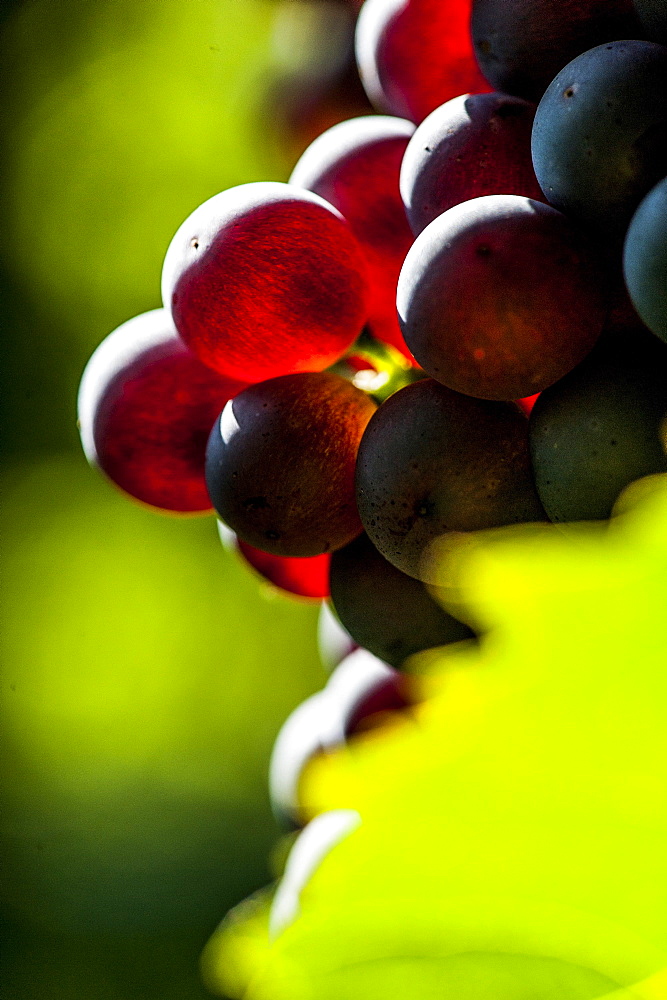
[452,318]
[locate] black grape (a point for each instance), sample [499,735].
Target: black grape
[645,260]
[600,133]
[521,44]
[597,430]
[384,610]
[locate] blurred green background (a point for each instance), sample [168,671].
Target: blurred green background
[145,673]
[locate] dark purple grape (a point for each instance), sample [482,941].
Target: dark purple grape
[522,44]
[433,461]
[387,612]
[280,463]
[500,296]
[645,260]
[471,146]
[600,134]
[598,429]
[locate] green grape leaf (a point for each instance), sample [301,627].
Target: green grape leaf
[513,831]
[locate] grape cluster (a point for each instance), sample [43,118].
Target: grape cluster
[344,365]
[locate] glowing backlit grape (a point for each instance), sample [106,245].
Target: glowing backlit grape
[266,279]
[355,166]
[146,406]
[414,55]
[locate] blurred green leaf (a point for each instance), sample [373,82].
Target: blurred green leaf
[512,843]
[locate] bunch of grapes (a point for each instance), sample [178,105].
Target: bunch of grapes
[453,317]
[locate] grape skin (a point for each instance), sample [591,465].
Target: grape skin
[433,461]
[500,296]
[384,610]
[266,279]
[146,404]
[355,166]
[280,463]
[474,145]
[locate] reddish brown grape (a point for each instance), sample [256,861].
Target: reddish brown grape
[414,55]
[265,279]
[522,44]
[473,145]
[388,696]
[355,166]
[280,463]
[433,461]
[500,296]
[146,405]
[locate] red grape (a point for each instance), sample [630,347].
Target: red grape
[359,688]
[473,145]
[266,279]
[355,166]
[305,577]
[501,296]
[146,405]
[414,55]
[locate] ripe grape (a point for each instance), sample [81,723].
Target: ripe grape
[598,429]
[521,44]
[414,55]
[600,134]
[266,279]
[473,145]
[305,577]
[387,612]
[355,166]
[500,296]
[361,686]
[146,405]
[280,463]
[431,461]
[645,260]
